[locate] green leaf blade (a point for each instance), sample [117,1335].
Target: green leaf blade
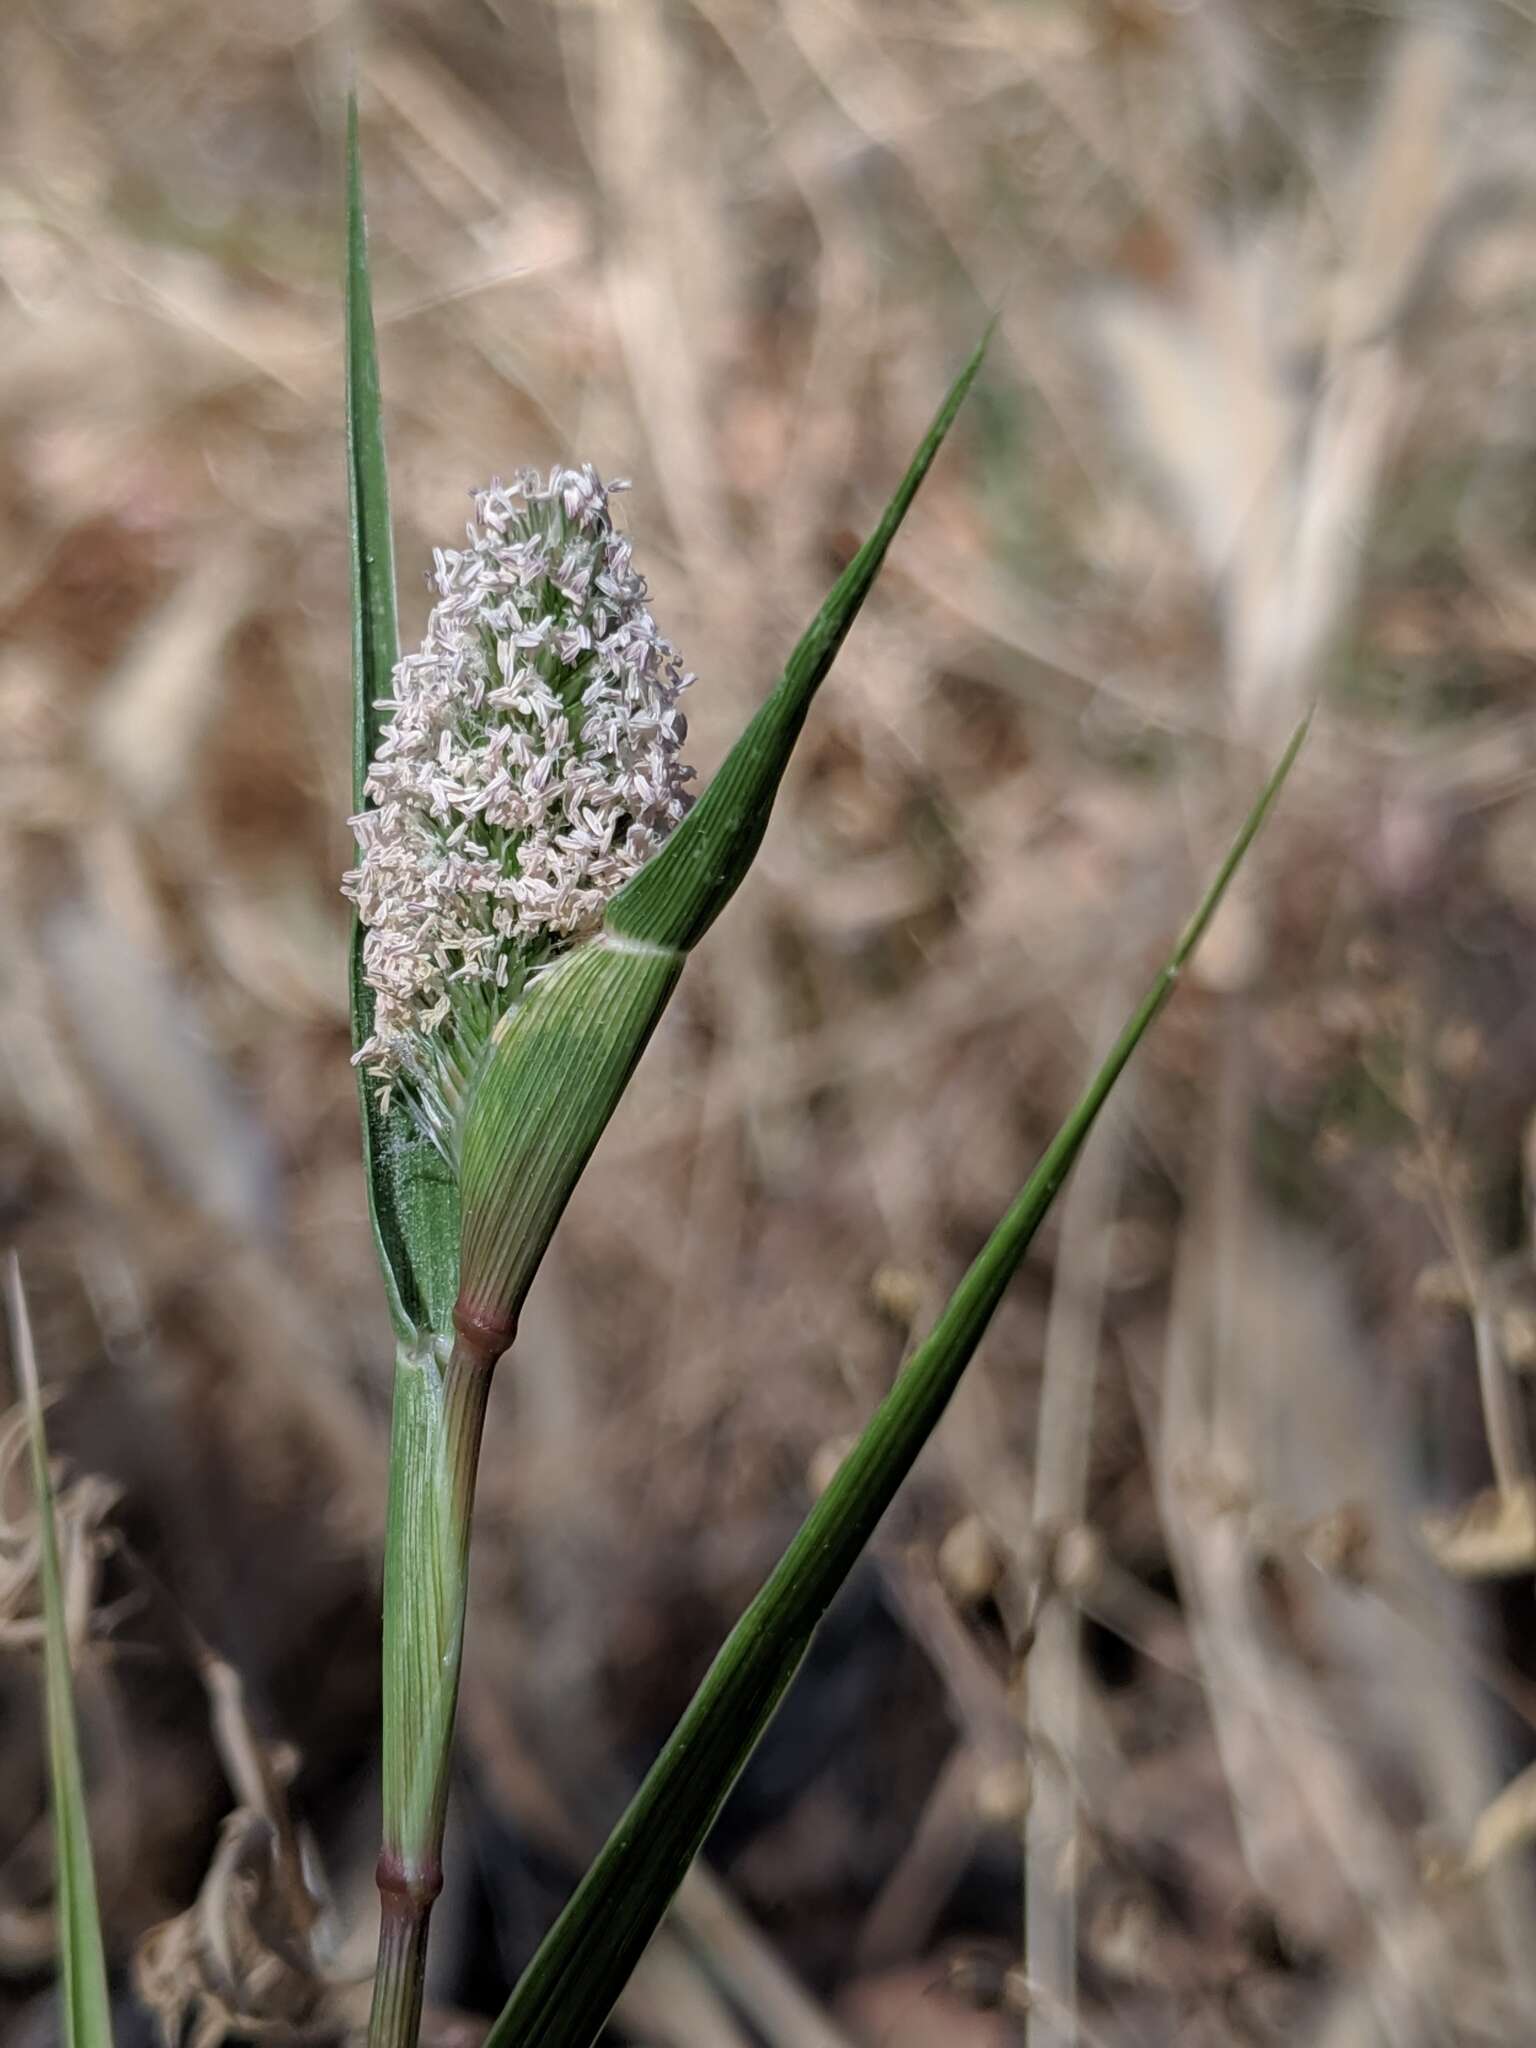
[82,1956]
[560,1059]
[683,888]
[412,1202]
[569,1989]
[375,632]
[557,1066]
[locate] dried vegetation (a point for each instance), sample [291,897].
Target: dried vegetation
[1211,1611]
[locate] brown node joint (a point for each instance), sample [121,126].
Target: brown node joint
[483,1337]
[408,1889]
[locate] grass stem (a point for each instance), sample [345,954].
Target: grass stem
[439,1419]
[400,1979]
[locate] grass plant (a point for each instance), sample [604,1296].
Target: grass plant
[466,1200]
[486,1084]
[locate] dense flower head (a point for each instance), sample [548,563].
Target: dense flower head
[529,766]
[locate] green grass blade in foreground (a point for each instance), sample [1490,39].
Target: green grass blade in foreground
[82,1963]
[569,1988]
[562,1058]
[683,888]
[411,1199]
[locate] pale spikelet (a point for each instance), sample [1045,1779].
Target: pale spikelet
[529,767]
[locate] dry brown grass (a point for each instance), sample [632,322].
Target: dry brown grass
[1261,420]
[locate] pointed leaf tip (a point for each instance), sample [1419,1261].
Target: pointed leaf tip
[412,1203]
[683,888]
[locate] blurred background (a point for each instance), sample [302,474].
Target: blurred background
[1189,1693]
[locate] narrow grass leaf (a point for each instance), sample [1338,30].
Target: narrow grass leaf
[412,1201]
[82,1960]
[569,1988]
[561,1058]
[680,892]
